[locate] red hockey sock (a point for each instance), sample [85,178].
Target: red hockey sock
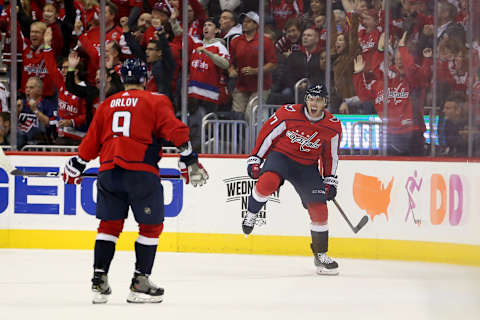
[268,183]
[318,213]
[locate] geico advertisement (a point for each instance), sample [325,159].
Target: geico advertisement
[425,201]
[48,203]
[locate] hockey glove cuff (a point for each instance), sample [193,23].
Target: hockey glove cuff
[253,166]
[331,183]
[72,172]
[187,155]
[194,173]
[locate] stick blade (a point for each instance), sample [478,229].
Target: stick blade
[361,224]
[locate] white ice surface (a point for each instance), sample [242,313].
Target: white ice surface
[55,284]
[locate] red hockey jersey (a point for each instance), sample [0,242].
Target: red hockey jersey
[127,128]
[204,80]
[369,43]
[34,66]
[400,112]
[282,10]
[90,42]
[290,132]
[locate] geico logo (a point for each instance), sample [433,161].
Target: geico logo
[34,195]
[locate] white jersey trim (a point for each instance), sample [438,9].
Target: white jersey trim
[318,227]
[203,92]
[106,237]
[334,149]
[147,241]
[267,142]
[258,197]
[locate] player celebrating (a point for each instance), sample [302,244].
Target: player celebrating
[292,142]
[126,132]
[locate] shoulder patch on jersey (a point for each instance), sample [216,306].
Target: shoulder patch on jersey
[290,107]
[334,119]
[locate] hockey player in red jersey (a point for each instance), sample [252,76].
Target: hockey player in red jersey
[291,144]
[126,133]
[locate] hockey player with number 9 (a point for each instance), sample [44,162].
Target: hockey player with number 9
[292,144]
[126,132]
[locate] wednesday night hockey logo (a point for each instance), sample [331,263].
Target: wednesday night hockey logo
[239,188]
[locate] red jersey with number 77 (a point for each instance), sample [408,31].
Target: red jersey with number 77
[290,132]
[128,128]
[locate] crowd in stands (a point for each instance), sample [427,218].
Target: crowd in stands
[59,60]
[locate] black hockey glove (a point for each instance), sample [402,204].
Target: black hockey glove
[73,170]
[331,183]
[192,171]
[253,166]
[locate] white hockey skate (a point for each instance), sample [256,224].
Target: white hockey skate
[142,290]
[325,265]
[249,222]
[101,289]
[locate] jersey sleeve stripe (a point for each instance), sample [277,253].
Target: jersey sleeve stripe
[334,149]
[267,142]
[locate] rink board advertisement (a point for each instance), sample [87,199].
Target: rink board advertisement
[426,211]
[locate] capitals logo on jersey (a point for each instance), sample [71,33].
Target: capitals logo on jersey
[396,94]
[305,142]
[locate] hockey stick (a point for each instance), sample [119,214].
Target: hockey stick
[360,224]
[17,172]
[7,165]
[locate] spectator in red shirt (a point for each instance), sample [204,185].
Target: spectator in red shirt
[405,126]
[283,10]
[208,58]
[368,36]
[90,41]
[244,64]
[34,61]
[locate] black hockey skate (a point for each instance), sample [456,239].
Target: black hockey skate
[101,289]
[325,264]
[249,222]
[142,290]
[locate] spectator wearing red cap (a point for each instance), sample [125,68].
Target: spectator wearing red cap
[161,13]
[244,64]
